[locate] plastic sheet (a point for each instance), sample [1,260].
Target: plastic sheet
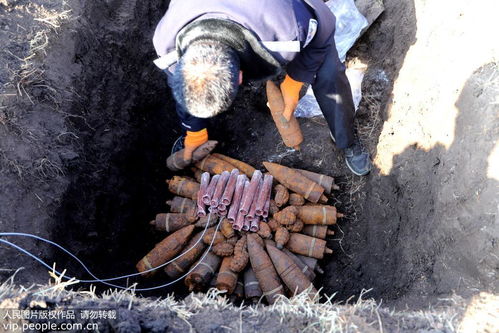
[349,25]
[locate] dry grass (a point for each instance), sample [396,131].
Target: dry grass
[298,314]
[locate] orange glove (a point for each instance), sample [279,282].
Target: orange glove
[291,93]
[194,140]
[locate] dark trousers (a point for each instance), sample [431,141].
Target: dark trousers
[334,96]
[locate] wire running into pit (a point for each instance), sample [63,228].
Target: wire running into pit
[104,281]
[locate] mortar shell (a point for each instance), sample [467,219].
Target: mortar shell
[165,250]
[176,161]
[312,263]
[320,214]
[289,272]
[241,166]
[251,286]
[226,279]
[264,269]
[214,165]
[170,222]
[202,274]
[317,231]
[201,223]
[181,265]
[307,246]
[296,182]
[309,272]
[183,187]
[289,130]
[323,180]
[181,204]
[226,228]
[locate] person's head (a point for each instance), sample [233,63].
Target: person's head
[207,78]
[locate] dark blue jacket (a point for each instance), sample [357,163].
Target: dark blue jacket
[268,20]
[266,25]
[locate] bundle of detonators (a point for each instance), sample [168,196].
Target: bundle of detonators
[253,235]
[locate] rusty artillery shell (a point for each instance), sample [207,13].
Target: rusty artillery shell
[307,246]
[286,216]
[181,205]
[165,250]
[201,275]
[214,165]
[226,279]
[296,199]
[203,187]
[281,237]
[324,215]
[296,182]
[274,225]
[236,200]
[219,189]
[317,231]
[192,250]
[230,188]
[249,195]
[176,162]
[214,236]
[170,222]
[263,194]
[325,181]
[273,207]
[312,263]
[295,227]
[290,130]
[226,228]
[281,195]
[264,231]
[252,288]
[183,187]
[241,256]
[289,272]
[241,166]
[309,272]
[211,219]
[223,249]
[208,194]
[264,269]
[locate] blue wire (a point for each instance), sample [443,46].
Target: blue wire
[96,279]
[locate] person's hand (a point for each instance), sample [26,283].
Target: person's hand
[194,140]
[290,90]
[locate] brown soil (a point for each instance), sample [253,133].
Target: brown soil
[87,122]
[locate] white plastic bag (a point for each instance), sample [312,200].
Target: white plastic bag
[349,24]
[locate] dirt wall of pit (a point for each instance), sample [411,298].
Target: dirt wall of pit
[430,211]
